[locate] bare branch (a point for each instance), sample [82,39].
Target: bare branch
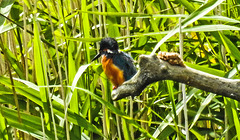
[153,69]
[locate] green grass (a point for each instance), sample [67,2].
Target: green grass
[49,88]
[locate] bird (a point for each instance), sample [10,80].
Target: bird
[117,65]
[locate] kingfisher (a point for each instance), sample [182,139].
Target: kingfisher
[117,65]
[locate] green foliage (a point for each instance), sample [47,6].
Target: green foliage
[61,94]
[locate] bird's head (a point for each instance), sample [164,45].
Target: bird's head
[107,45]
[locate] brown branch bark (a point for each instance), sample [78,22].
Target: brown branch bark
[153,69]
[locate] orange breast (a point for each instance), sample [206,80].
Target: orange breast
[114,74]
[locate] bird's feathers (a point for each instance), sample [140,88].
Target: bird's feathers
[124,62]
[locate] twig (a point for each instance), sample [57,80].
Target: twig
[153,69]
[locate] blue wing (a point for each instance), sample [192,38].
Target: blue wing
[125,62]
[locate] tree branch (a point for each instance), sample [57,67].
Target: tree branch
[153,69]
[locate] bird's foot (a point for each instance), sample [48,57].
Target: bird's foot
[171,57]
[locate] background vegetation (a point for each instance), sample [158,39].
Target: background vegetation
[49,89]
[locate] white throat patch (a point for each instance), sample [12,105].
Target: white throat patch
[109,51]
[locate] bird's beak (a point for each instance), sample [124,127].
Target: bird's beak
[97,56]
